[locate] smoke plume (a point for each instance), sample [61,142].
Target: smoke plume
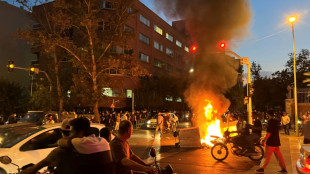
[208,22]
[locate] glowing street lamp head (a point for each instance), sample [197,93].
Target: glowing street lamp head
[292,19]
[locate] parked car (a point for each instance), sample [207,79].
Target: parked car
[38,117]
[28,143]
[151,122]
[303,163]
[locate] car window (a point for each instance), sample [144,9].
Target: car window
[33,117]
[13,135]
[45,140]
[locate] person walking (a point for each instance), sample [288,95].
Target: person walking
[285,120]
[272,144]
[160,124]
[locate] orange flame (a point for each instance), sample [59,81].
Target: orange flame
[211,125]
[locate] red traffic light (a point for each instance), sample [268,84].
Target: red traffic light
[193,48]
[222,45]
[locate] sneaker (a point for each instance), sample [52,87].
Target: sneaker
[282,171]
[260,170]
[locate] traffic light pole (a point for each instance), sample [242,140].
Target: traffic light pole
[245,61]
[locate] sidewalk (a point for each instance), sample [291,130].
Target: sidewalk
[200,160]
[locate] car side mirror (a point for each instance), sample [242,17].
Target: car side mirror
[153,152]
[5,160]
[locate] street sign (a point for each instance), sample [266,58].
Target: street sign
[112,106]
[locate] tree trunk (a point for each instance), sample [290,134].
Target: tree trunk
[96,111]
[59,91]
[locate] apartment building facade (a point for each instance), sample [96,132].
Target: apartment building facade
[160,48]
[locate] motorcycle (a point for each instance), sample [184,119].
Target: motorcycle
[7,160]
[219,151]
[167,170]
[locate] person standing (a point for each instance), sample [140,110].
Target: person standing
[124,117]
[306,132]
[118,120]
[160,124]
[272,143]
[285,120]
[12,119]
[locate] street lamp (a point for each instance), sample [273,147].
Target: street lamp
[292,19]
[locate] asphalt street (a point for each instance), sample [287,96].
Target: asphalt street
[199,160]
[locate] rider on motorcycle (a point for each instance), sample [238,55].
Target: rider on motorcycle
[243,138]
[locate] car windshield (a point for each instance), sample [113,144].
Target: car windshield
[13,135]
[32,117]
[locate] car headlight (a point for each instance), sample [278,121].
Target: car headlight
[148,122]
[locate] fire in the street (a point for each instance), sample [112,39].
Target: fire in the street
[212,126]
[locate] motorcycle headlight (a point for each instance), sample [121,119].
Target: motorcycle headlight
[148,122]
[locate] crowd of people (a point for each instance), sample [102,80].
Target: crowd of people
[80,151]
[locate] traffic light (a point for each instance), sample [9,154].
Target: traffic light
[10,65]
[33,70]
[251,89]
[222,45]
[194,48]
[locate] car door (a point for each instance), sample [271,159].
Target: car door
[36,148]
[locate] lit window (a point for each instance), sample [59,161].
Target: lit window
[69,94]
[186,49]
[158,46]
[169,98]
[157,63]
[144,57]
[144,20]
[144,38]
[179,100]
[129,93]
[169,52]
[169,37]
[178,43]
[158,30]
[107,92]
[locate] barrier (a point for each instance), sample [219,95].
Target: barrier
[190,137]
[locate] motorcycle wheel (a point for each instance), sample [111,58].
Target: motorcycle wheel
[219,151]
[260,153]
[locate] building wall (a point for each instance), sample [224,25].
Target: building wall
[11,47]
[178,62]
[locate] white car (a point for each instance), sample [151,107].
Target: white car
[151,123]
[303,163]
[28,143]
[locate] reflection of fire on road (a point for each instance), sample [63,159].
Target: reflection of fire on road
[212,125]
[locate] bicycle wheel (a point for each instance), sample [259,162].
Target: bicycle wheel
[219,151]
[259,153]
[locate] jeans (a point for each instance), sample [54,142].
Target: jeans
[286,129]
